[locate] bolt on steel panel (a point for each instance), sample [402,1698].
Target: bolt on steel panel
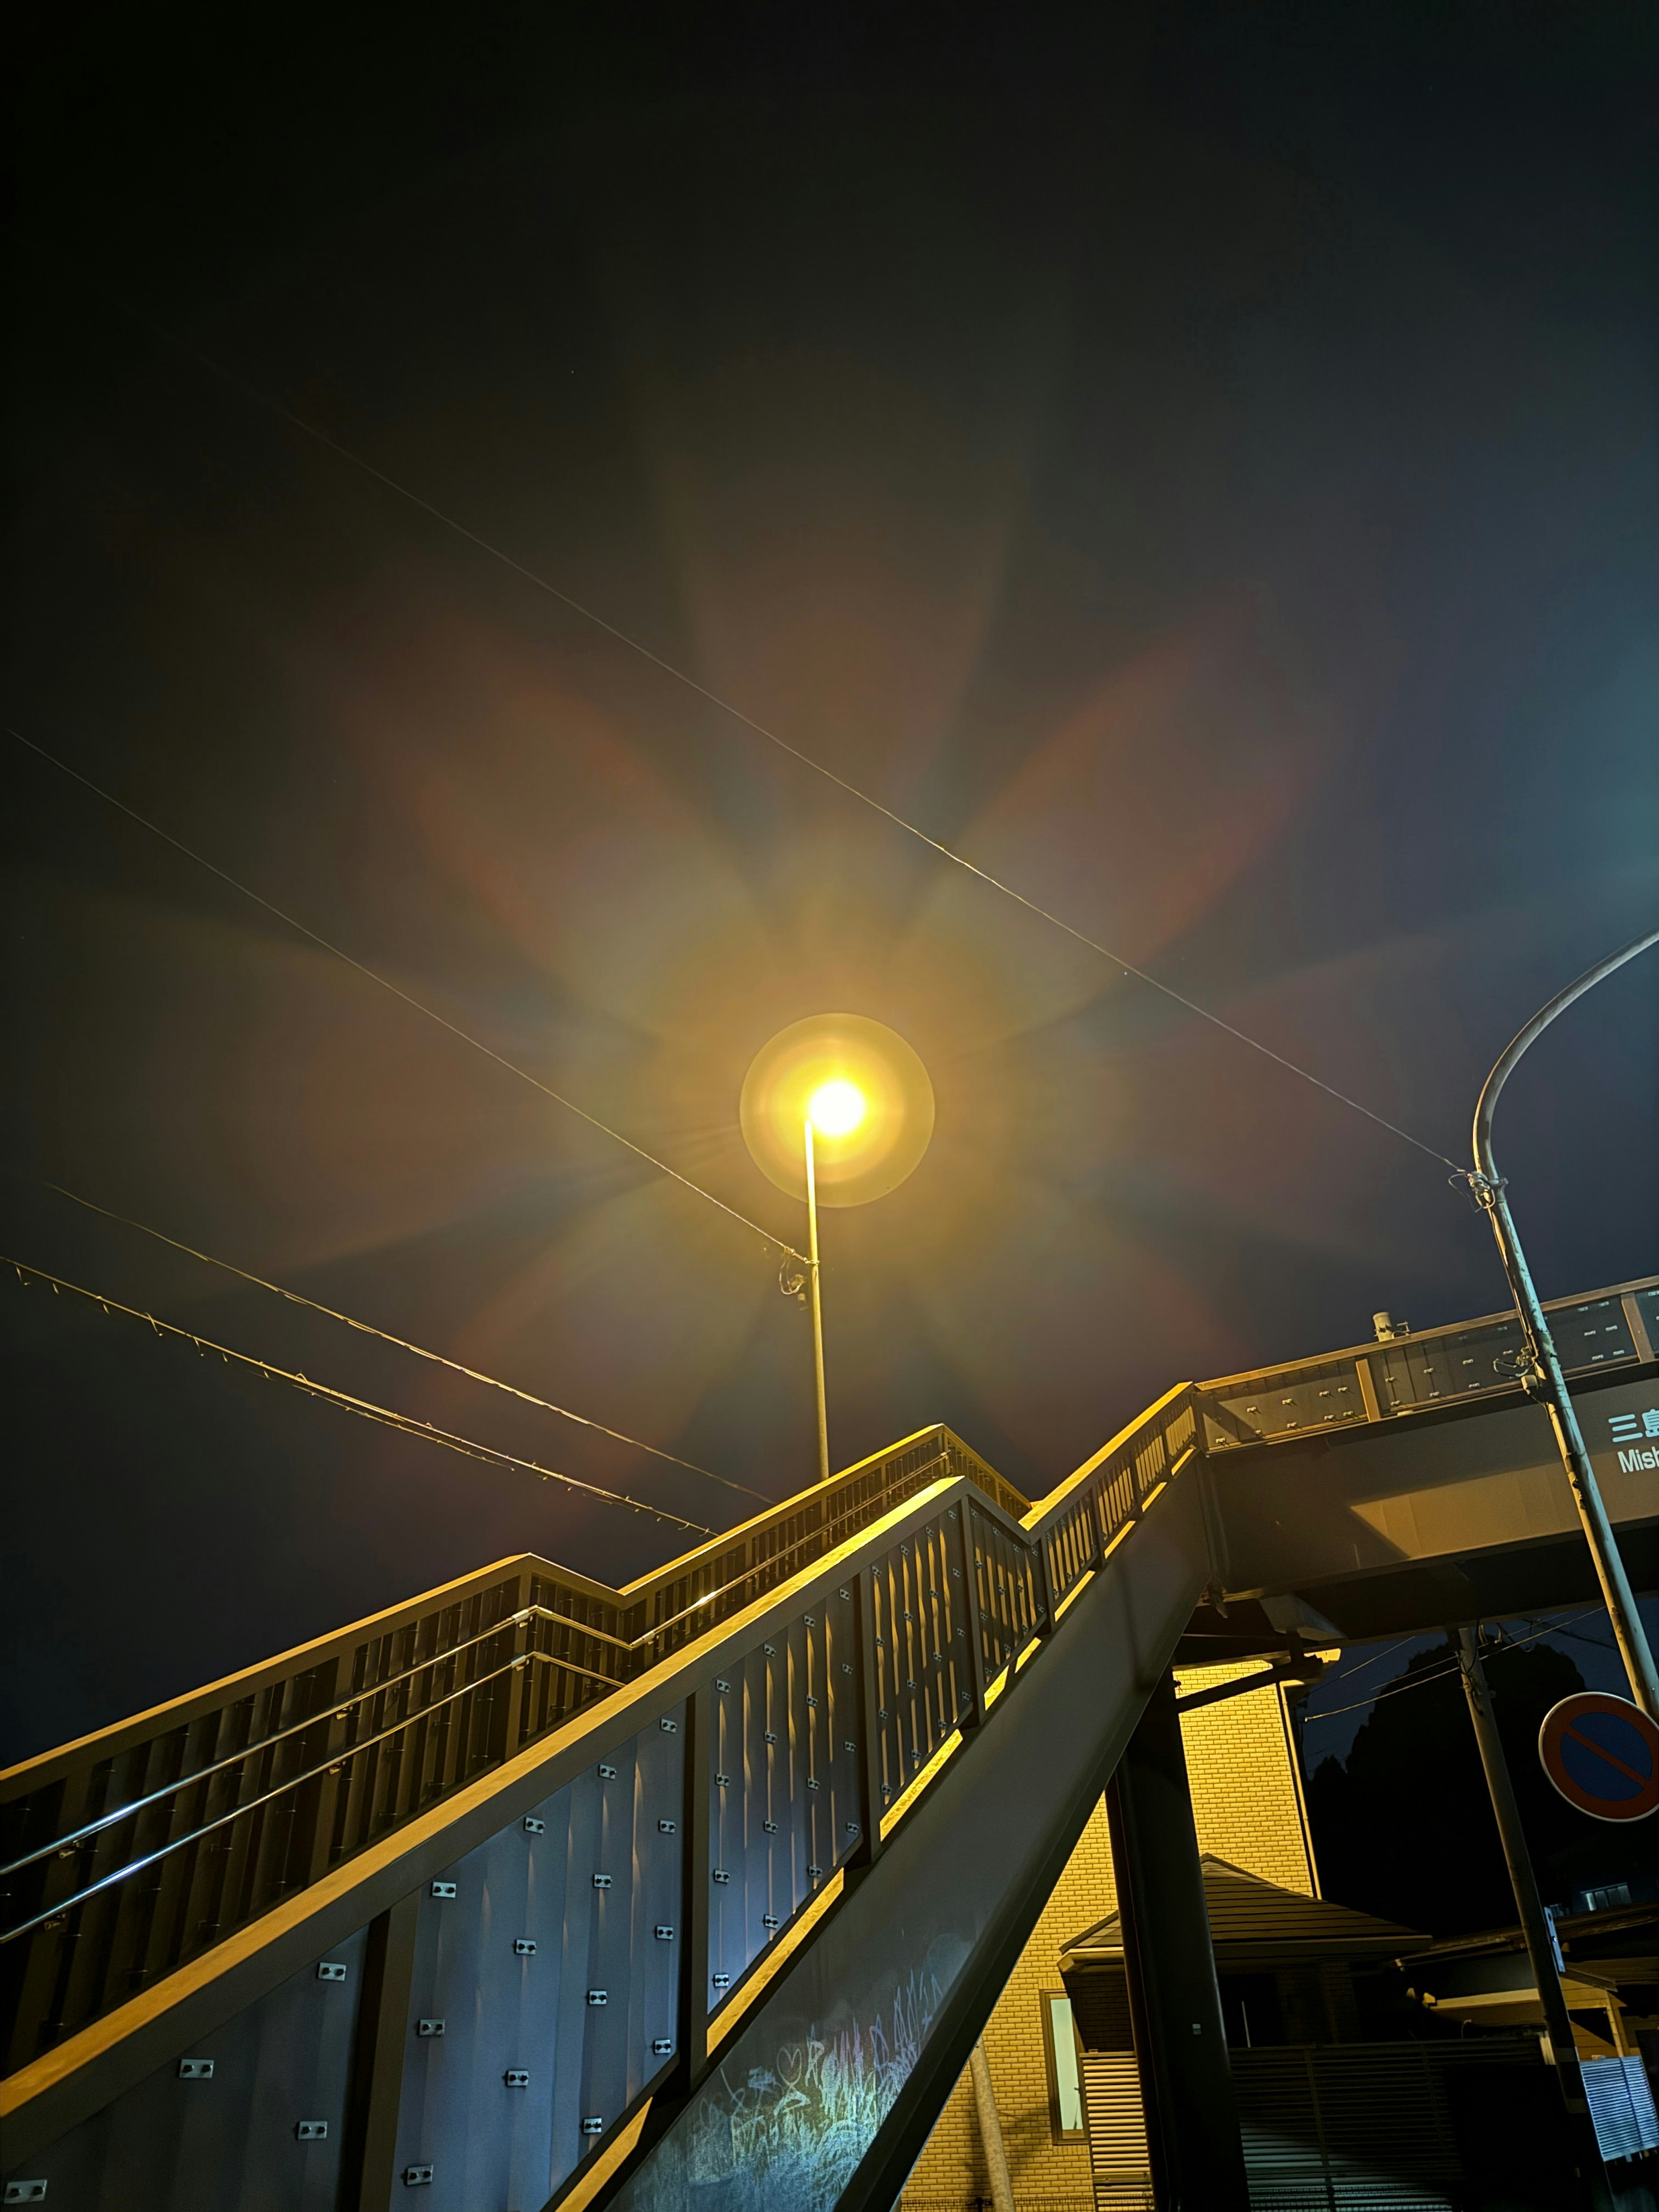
[578,2013]
[226,2141]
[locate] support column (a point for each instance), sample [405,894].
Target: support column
[1175,1999]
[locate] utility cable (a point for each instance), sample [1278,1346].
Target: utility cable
[1445,1673]
[1442,1673]
[403,1344]
[725,707]
[387,1416]
[408,998]
[1365,1665]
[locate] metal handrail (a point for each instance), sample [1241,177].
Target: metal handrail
[332,1761]
[346,1753]
[340,1707]
[336,1708]
[624,1602]
[1091,1508]
[335,1760]
[763,1566]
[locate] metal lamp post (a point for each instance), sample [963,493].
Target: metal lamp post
[849,1100]
[1544,1381]
[1543,1952]
[814,1273]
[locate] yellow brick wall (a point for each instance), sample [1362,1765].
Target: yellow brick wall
[1247,1808]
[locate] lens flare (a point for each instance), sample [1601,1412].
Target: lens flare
[837,1107]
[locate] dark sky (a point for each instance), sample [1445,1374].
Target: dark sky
[1202,464]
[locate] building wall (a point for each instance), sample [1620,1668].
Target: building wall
[1247,1808]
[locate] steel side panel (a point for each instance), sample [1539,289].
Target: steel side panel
[77,2078]
[495,2146]
[780,1743]
[226,2144]
[849,2038]
[1405,1491]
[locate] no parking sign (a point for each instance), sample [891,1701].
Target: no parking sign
[1602,1754]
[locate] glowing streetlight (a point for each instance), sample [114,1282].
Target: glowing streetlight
[837,1110]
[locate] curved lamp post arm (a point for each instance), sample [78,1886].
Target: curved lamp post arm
[1486,1105]
[1547,1381]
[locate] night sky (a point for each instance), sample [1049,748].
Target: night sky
[1201,466]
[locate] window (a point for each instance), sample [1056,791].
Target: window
[1059,2046]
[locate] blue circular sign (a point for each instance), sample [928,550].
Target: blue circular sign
[1602,1754]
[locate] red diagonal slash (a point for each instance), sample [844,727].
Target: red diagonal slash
[1612,1758]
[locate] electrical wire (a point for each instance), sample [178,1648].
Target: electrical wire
[403,1344]
[365,1408]
[1376,1660]
[760,729]
[1395,1689]
[1445,1673]
[772,1241]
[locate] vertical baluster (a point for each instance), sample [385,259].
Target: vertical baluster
[966,1577]
[1049,1582]
[867,1685]
[515,1706]
[47,1965]
[157,1890]
[322,1744]
[940,1656]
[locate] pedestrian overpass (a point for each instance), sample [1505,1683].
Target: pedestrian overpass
[533,1892]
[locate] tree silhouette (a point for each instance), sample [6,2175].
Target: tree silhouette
[1406,1827]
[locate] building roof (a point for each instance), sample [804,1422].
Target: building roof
[1618,1944]
[1256,1923]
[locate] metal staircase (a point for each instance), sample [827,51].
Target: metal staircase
[532,1892]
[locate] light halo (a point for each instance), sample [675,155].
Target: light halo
[863,1160]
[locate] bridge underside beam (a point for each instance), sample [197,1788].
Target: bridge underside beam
[1454,1514]
[1421,1595]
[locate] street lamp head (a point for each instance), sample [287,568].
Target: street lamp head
[866,1094]
[836,1109]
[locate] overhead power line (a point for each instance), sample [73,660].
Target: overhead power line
[1365,1665]
[774,1243]
[365,1408]
[402,1343]
[1444,1672]
[761,730]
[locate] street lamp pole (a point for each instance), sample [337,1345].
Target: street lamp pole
[859,1088]
[1545,1381]
[1542,1950]
[814,1272]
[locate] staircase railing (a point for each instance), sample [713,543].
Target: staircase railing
[127,1855]
[1427,1370]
